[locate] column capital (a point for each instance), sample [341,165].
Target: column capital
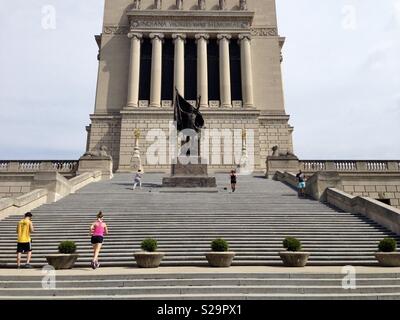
[135,35]
[224,37]
[180,36]
[159,36]
[204,36]
[245,36]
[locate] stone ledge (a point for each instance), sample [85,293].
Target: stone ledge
[50,187]
[381,213]
[30,197]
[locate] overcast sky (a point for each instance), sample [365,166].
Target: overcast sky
[341,76]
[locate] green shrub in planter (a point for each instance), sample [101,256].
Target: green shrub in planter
[219,245]
[149,245]
[67,247]
[292,244]
[387,245]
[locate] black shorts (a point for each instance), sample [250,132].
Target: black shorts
[24,247]
[97,239]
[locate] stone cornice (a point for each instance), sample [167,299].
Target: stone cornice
[157,111]
[268,117]
[191,13]
[256,32]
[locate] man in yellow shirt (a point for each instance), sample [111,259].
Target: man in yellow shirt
[24,230]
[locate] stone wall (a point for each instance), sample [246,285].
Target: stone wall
[377,187]
[15,187]
[274,131]
[381,213]
[106,131]
[47,187]
[374,187]
[117,134]
[233,122]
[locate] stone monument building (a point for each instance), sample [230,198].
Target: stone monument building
[226,52]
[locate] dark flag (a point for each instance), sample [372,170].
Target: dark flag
[186,116]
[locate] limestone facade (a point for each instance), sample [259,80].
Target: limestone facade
[238,91]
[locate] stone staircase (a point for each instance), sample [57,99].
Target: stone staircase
[199,286]
[254,220]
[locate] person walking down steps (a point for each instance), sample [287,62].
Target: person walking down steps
[301,184]
[138,180]
[24,245]
[97,230]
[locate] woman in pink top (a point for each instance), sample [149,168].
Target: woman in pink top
[97,230]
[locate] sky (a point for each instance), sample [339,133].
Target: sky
[341,75]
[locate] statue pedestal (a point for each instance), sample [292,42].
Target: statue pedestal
[96,163]
[288,163]
[191,175]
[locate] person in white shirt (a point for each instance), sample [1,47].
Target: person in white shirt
[138,179]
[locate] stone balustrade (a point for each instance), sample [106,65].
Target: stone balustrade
[372,166]
[47,187]
[61,166]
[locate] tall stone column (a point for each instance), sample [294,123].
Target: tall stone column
[202,68]
[134,70]
[247,70]
[156,70]
[179,69]
[225,71]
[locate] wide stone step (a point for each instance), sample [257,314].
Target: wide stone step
[254,221]
[179,290]
[106,283]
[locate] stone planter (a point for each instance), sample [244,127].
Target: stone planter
[294,259]
[388,259]
[148,259]
[220,259]
[62,261]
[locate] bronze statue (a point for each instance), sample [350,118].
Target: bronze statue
[186,116]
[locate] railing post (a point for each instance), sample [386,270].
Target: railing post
[330,166]
[47,166]
[13,166]
[393,166]
[361,166]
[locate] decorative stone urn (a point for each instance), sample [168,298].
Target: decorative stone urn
[62,261]
[388,259]
[148,259]
[294,259]
[220,259]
